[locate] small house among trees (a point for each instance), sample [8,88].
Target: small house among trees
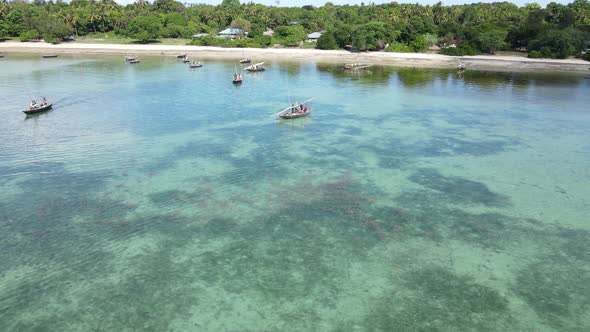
[232,33]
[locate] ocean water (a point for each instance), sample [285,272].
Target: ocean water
[154,197]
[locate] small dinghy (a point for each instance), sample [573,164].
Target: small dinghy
[134,61]
[196,64]
[181,56]
[47,56]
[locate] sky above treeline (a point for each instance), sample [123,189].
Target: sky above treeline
[317,3]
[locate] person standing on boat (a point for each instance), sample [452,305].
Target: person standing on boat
[43,101]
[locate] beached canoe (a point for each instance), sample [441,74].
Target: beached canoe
[49,56]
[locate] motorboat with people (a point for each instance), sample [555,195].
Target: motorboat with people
[297,110]
[35,107]
[255,67]
[195,64]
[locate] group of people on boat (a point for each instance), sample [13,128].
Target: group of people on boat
[34,104]
[237,77]
[298,108]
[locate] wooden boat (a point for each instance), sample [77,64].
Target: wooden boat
[245,60]
[134,61]
[181,56]
[195,65]
[38,109]
[356,66]
[295,111]
[130,58]
[255,67]
[47,56]
[186,60]
[461,67]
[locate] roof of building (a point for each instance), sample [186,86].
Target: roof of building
[231,31]
[314,35]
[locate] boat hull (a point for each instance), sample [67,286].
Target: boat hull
[49,56]
[237,82]
[255,70]
[195,66]
[38,110]
[289,116]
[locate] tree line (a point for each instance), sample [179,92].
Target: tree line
[556,31]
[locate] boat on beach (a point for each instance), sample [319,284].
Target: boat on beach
[47,56]
[181,56]
[295,111]
[38,108]
[356,66]
[255,67]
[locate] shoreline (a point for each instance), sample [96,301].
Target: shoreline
[425,60]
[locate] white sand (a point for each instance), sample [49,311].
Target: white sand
[489,62]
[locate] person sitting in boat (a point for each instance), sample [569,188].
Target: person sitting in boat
[304,108]
[43,101]
[33,103]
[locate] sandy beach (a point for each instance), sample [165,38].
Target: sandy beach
[481,62]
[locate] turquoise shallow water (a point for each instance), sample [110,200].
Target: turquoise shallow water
[154,197]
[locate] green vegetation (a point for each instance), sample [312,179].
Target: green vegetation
[556,31]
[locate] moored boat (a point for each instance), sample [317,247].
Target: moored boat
[47,56]
[134,61]
[130,58]
[196,64]
[181,56]
[38,108]
[186,60]
[245,60]
[255,67]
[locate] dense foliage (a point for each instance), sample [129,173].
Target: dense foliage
[554,31]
